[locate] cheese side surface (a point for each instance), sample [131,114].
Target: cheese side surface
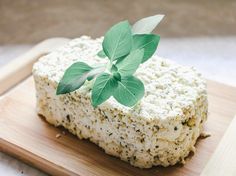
[160,130]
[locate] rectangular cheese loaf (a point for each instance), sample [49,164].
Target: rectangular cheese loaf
[160,130]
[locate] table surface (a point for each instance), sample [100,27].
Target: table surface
[213,57]
[26,21]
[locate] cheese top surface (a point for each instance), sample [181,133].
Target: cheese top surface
[169,87]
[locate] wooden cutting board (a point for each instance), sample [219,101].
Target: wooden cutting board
[30,138]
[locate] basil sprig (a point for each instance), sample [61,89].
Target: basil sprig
[125,47]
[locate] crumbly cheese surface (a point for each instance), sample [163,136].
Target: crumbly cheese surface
[160,130]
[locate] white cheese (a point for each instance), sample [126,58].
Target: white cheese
[160,130]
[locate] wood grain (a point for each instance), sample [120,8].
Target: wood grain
[21,67]
[27,136]
[223,160]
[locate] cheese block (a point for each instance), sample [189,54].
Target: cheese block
[161,129]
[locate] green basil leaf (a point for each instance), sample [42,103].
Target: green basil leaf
[117,76]
[103,88]
[101,54]
[73,78]
[118,41]
[146,25]
[120,58]
[129,91]
[148,42]
[114,68]
[96,71]
[130,64]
